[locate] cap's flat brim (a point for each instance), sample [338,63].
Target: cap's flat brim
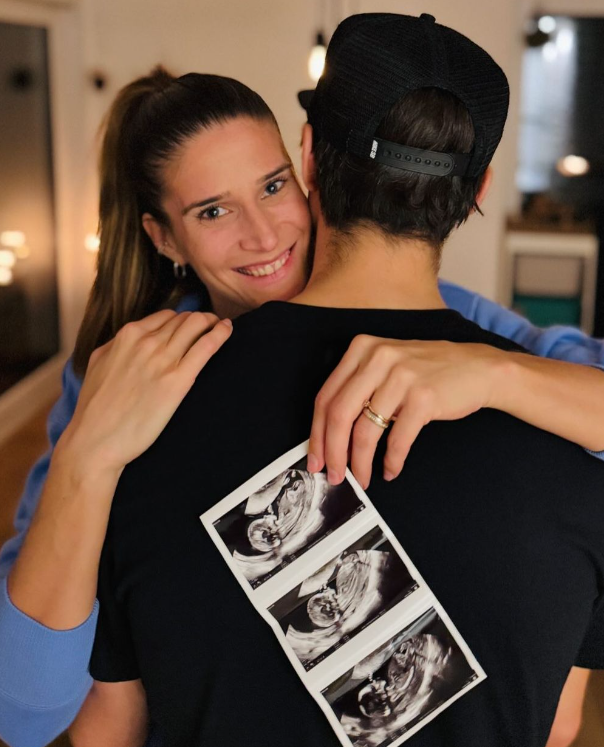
[305,97]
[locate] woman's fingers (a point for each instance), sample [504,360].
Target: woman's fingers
[418,381]
[154,321]
[405,429]
[337,379]
[192,327]
[342,413]
[136,382]
[207,346]
[385,402]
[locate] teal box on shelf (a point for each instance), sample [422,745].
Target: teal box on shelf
[544,311]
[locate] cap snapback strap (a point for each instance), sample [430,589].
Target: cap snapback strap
[407,158]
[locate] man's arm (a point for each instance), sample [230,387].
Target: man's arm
[114,713]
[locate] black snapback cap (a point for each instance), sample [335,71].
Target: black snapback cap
[374,59]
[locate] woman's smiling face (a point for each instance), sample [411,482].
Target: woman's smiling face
[237,215]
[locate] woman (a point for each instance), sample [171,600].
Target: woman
[172,215]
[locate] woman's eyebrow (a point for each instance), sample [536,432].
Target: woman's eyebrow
[218,198]
[203,203]
[283,167]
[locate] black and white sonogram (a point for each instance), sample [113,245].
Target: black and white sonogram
[338,601]
[285,518]
[400,683]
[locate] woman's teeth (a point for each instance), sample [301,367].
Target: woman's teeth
[261,270]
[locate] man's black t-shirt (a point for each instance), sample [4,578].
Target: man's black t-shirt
[504,522]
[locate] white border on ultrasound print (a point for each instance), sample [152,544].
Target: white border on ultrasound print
[258,481]
[270,589]
[322,675]
[338,728]
[472,661]
[413,570]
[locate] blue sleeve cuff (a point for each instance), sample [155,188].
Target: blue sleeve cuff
[42,668]
[24,726]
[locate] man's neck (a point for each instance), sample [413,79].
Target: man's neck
[371,271]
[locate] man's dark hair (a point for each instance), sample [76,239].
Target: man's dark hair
[355,191]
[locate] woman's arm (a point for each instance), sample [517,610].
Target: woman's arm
[114,713]
[44,674]
[560,342]
[132,387]
[421,381]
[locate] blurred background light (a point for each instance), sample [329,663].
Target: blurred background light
[7,258]
[92,242]
[573,166]
[6,276]
[547,24]
[12,239]
[316,59]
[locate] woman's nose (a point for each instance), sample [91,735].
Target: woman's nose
[261,233]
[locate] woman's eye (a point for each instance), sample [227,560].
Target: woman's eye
[274,187]
[212,213]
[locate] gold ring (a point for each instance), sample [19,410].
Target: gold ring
[374,416]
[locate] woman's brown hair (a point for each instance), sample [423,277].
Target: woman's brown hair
[150,119]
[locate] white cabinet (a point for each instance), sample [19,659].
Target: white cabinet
[552,267]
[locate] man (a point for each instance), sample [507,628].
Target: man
[402,128]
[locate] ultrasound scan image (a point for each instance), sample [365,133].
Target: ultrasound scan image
[284,519]
[344,596]
[400,683]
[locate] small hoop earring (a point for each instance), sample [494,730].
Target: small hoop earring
[180,271]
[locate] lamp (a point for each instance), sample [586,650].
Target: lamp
[316,59]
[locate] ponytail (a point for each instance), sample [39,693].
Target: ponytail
[149,120]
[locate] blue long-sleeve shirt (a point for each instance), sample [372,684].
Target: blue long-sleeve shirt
[43,672]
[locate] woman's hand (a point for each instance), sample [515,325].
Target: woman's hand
[413,381]
[132,387]
[134,384]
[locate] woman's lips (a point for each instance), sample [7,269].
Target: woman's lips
[268,269]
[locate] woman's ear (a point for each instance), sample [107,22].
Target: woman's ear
[308,159]
[485,185]
[161,238]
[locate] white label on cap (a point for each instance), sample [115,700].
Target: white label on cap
[373,149]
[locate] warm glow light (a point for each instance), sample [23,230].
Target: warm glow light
[92,242]
[6,276]
[316,62]
[573,166]
[547,24]
[12,239]
[7,258]
[22,252]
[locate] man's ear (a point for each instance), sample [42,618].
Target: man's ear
[162,238]
[485,185]
[308,159]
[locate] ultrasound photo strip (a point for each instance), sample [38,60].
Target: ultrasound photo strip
[359,625]
[340,599]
